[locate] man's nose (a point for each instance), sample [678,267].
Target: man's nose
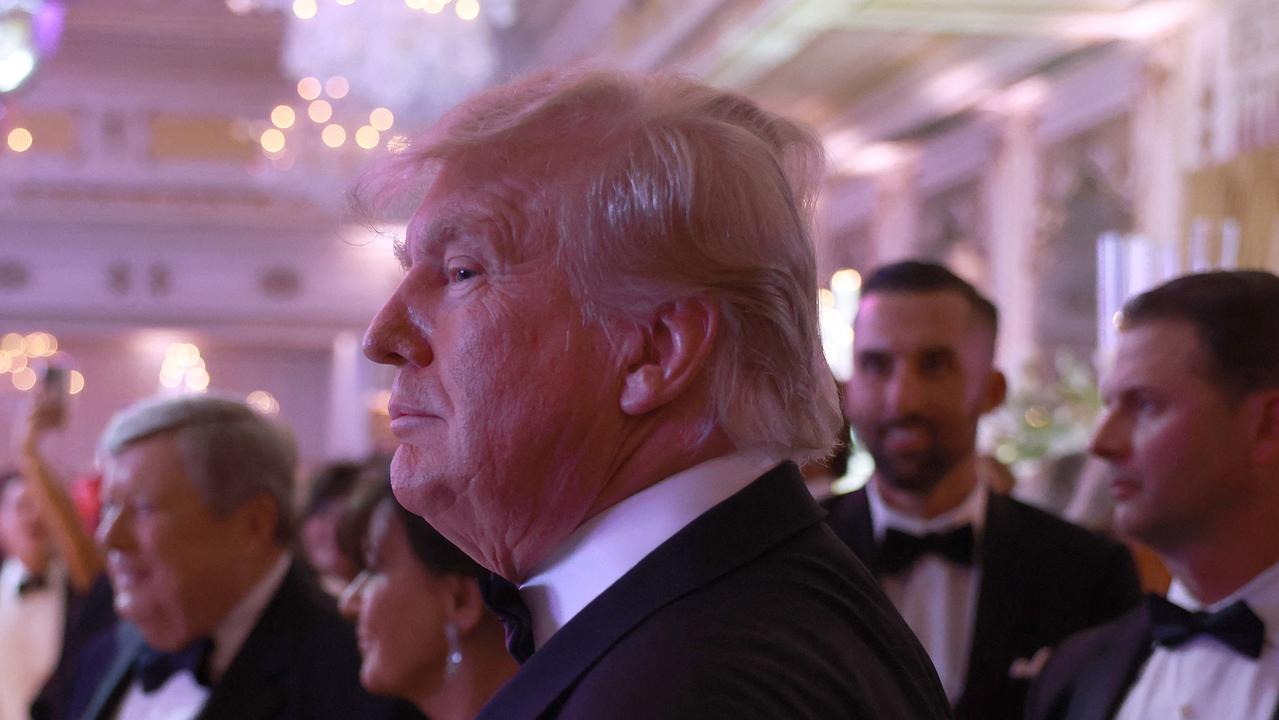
[393,338]
[905,392]
[111,529]
[1110,440]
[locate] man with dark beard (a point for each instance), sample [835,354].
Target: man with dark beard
[987,583]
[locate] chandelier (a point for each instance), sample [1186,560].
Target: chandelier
[364,66]
[29,30]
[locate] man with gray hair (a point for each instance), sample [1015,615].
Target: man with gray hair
[218,621]
[608,366]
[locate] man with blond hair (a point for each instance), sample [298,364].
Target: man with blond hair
[608,367]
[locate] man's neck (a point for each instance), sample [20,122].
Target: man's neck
[1216,568]
[648,458]
[947,495]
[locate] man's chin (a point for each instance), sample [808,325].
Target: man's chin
[910,478]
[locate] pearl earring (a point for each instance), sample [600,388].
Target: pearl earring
[453,662]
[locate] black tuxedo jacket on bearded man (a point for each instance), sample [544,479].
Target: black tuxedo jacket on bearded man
[1042,579]
[299,661]
[754,610]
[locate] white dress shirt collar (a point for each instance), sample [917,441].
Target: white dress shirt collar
[972,511]
[608,545]
[1260,593]
[230,634]
[181,697]
[13,572]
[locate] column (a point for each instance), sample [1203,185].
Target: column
[1012,190]
[348,427]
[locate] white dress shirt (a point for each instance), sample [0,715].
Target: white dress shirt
[936,597]
[181,696]
[31,627]
[608,545]
[1206,679]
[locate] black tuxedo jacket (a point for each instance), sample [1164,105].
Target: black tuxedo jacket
[87,615]
[1088,677]
[754,610]
[299,661]
[1041,579]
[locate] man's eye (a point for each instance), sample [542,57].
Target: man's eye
[461,274]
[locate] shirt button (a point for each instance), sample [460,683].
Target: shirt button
[1186,711]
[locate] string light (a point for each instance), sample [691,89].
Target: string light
[183,367]
[367,137]
[264,402]
[272,141]
[381,119]
[333,136]
[309,88]
[320,111]
[283,117]
[337,87]
[20,139]
[304,9]
[24,379]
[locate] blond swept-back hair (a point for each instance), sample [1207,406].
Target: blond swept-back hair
[655,188]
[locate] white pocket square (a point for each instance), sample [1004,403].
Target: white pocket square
[1028,668]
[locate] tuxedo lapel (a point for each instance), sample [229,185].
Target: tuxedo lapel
[116,678]
[252,688]
[732,533]
[850,519]
[1104,682]
[1001,599]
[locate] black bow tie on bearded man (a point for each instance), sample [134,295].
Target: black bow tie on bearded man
[900,550]
[154,668]
[1236,625]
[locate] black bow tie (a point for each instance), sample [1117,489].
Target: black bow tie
[154,668]
[900,550]
[32,583]
[503,598]
[1235,625]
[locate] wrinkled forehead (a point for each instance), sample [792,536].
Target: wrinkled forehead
[509,201]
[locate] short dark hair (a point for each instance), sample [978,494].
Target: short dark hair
[1235,313]
[430,548]
[917,276]
[331,483]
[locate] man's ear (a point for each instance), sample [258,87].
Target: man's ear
[668,353]
[260,517]
[996,390]
[1265,430]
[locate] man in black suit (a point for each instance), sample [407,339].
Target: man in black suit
[986,582]
[607,355]
[1190,441]
[218,620]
